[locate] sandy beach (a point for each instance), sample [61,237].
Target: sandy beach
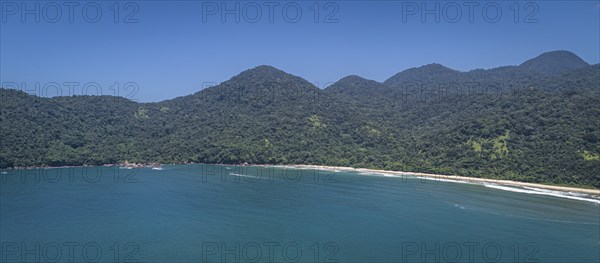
[566,189]
[594,192]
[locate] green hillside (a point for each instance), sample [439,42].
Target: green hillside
[509,123]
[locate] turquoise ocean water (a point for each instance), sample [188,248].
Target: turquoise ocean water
[207,213]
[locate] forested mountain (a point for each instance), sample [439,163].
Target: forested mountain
[511,122]
[554,62]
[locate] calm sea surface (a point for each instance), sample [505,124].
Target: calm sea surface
[206,213]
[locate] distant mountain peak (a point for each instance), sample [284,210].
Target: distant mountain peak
[555,62]
[265,73]
[354,85]
[352,78]
[265,79]
[428,73]
[555,53]
[435,66]
[264,70]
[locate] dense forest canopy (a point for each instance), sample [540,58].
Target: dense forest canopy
[536,122]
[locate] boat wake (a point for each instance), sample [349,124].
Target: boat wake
[244,175]
[459,206]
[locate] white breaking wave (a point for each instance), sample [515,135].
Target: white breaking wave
[414,176]
[379,174]
[525,190]
[556,192]
[443,180]
[536,191]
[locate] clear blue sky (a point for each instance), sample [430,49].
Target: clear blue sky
[177,47]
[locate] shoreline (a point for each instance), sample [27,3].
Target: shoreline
[594,192]
[457,178]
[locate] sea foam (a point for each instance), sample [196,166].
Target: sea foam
[537,191]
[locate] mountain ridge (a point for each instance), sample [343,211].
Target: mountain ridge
[429,73]
[283,119]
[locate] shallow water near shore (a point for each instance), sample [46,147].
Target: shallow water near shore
[212,213]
